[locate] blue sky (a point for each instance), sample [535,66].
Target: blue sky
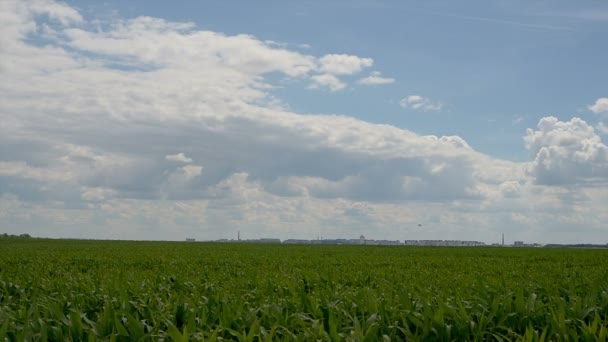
[147,120]
[490,63]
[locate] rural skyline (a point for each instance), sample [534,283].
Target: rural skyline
[394,120]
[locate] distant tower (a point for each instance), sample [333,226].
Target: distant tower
[238,235]
[503,239]
[362,239]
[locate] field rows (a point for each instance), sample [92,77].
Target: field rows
[100,290]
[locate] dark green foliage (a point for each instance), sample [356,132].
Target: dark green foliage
[127,291]
[12,236]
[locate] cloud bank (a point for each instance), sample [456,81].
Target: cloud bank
[142,128]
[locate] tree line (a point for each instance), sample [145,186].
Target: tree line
[14,236]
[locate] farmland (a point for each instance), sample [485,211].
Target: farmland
[111,290]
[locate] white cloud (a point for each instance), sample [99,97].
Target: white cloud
[510,189]
[180,157]
[596,14]
[97,194]
[60,12]
[192,170]
[92,122]
[375,78]
[566,152]
[152,41]
[340,64]
[327,80]
[22,170]
[600,106]
[182,183]
[602,128]
[419,102]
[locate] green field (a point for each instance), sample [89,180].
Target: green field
[103,290]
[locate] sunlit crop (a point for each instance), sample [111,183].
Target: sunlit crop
[94,290]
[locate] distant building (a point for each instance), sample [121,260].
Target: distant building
[518,244]
[443,243]
[296,241]
[362,241]
[386,242]
[269,240]
[190,239]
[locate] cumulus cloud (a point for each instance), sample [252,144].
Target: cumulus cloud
[419,102]
[329,81]
[94,119]
[602,128]
[600,105]
[454,140]
[510,189]
[97,194]
[56,11]
[180,157]
[341,64]
[566,152]
[204,92]
[148,40]
[375,78]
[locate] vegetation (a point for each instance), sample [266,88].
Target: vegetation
[102,290]
[12,236]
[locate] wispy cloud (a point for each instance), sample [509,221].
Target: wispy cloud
[180,157]
[602,128]
[592,15]
[586,15]
[419,102]
[517,120]
[342,64]
[500,21]
[375,78]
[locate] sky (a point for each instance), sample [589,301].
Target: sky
[151,120]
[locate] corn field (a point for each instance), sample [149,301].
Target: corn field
[57,290]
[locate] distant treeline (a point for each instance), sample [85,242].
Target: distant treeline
[13,236]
